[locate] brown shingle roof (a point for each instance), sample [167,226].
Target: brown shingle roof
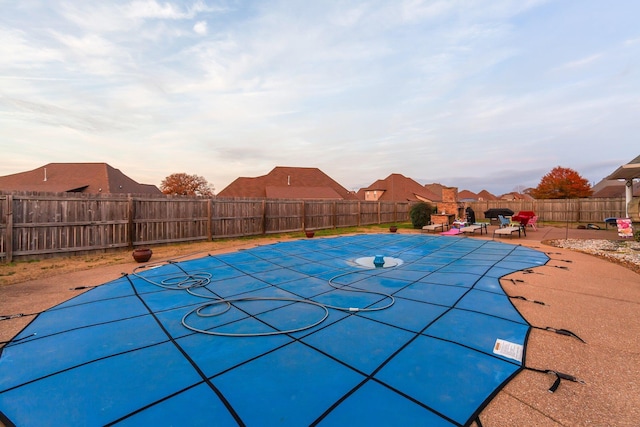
[514,195]
[464,194]
[75,177]
[467,195]
[288,182]
[289,192]
[613,188]
[436,189]
[485,195]
[398,187]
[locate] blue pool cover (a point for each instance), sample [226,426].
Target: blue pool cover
[295,333]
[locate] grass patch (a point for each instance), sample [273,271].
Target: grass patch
[51,267]
[20,271]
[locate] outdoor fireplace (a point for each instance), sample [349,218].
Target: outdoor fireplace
[449,208]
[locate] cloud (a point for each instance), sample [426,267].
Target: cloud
[143,18]
[151,9]
[18,50]
[200,28]
[580,63]
[54,115]
[88,45]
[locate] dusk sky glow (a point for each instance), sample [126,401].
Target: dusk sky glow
[474,94]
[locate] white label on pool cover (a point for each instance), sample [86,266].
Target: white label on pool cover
[508,349]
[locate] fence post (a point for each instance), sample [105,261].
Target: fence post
[579,208]
[132,211]
[304,215]
[209,219]
[264,216]
[359,213]
[9,233]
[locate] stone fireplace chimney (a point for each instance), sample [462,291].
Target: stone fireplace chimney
[449,208]
[449,203]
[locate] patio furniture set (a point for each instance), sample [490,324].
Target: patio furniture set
[506,223]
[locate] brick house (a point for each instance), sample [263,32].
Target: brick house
[397,187]
[288,183]
[90,178]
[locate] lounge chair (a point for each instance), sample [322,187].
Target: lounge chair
[473,227]
[434,227]
[507,231]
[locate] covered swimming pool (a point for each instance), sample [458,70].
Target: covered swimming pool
[305,332]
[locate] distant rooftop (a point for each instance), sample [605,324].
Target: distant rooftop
[75,178]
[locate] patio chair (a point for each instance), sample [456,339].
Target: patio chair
[532,222]
[504,222]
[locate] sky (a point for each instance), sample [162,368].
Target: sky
[479,95]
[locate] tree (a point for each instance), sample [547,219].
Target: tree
[562,183]
[181,184]
[420,214]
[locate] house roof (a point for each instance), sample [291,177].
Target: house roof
[514,195]
[436,189]
[75,177]
[288,192]
[398,187]
[485,195]
[608,188]
[629,171]
[285,182]
[467,195]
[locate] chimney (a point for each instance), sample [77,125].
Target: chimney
[449,203]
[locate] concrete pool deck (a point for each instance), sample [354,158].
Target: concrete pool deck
[597,300]
[600,302]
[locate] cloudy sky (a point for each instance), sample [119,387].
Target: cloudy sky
[475,94]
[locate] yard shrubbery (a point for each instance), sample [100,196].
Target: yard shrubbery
[420,214]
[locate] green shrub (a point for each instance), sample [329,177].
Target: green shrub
[420,214]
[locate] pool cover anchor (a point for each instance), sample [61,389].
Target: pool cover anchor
[18,315]
[514,281]
[520,297]
[564,332]
[559,377]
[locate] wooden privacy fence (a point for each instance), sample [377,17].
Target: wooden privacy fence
[43,224]
[34,225]
[588,210]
